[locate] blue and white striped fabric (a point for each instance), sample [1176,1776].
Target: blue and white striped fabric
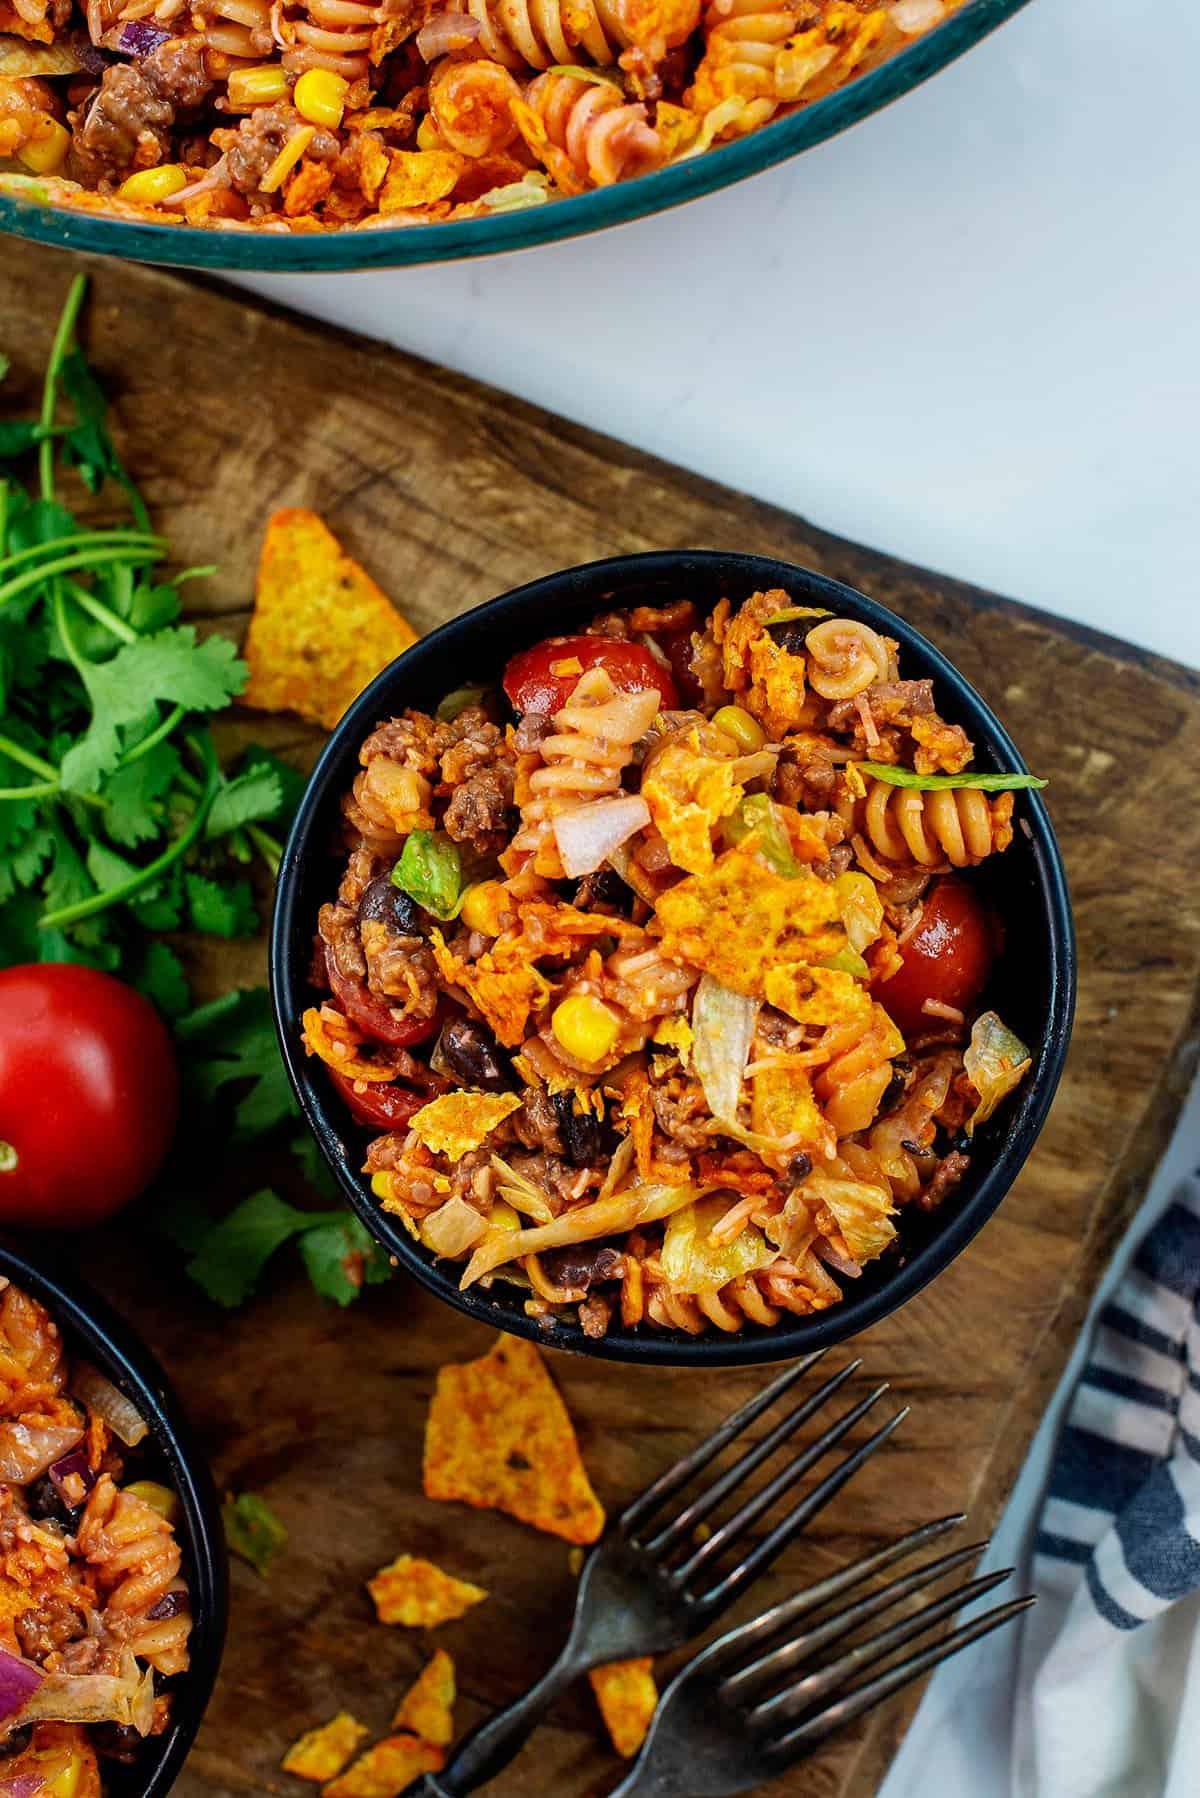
[1116,1559]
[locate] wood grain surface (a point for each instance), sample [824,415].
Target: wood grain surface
[450,493]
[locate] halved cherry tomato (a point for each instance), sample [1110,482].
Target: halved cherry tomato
[947,957]
[532,685]
[379,1107]
[373,1014]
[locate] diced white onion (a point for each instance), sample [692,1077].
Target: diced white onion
[589,834]
[452,1229]
[912,17]
[89,1385]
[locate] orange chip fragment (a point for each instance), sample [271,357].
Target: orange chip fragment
[321,1753]
[419,177]
[427,1708]
[498,1437]
[420,1595]
[627,1695]
[321,628]
[387,1768]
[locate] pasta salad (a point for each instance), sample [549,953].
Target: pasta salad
[656,973]
[94,1612]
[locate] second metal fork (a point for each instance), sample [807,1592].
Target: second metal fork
[648,1587]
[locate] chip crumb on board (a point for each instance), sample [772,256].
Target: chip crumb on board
[498,1437]
[321,628]
[321,1753]
[386,1768]
[427,1708]
[627,1695]
[418,1594]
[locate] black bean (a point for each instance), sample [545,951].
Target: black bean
[474,1055]
[581,1265]
[116,1741]
[799,1167]
[44,1501]
[586,1139]
[169,1605]
[789,634]
[387,904]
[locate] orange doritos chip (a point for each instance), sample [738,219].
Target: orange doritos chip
[419,177]
[321,629]
[307,188]
[427,1708]
[322,1753]
[387,1768]
[420,1595]
[627,1695]
[499,1438]
[458,1122]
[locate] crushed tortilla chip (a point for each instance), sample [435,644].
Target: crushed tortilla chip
[419,1595]
[322,1753]
[688,793]
[307,188]
[676,127]
[419,177]
[498,1437]
[327,1033]
[627,1696]
[387,1768]
[458,1122]
[758,932]
[502,983]
[783,1105]
[676,1033]
[321,629]
[427,1707]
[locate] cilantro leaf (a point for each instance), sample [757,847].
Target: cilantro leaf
[253,1531]
[937,783]
[162,979]
[17,437]
[171,666]
[341,1258]
[255,794]
[235,1252]
[314,1166]
[133,791]
[226,910]
[292,784]
[231,1043]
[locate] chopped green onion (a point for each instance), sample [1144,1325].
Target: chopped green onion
[790,612]
[937,783]
[759,816]
[603,77]
[458,701]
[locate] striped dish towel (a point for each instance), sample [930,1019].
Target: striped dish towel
[1110,1679]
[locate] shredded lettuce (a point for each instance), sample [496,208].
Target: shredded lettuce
[845,963]
[935,783]
[126,1698]
[430,871]
[759,816]
[863,1212]
[693,1264]
[620,1212]
[861,909]
[722,1029]
[995,1061]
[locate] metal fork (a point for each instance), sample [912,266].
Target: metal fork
[648,1587]
[764,1696]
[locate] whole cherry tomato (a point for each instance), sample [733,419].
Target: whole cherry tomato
[380,1107]
[89,1094]
[532,685]
[375,1015]
[947,957]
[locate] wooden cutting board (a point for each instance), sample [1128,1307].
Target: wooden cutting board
[450,492]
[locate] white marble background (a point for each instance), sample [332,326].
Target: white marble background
[967,331]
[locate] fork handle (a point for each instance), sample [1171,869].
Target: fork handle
[488,1750]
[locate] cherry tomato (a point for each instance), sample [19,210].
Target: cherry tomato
[532,685]
[947,957]
[677,647]
[89,1094]
[380,1107]
[373,1014]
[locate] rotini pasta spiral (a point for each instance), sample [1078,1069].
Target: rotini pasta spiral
[845,657]
[325,34]
[542,34]
[586,133]
[472,105]
[31,1354]
[959,825]
[239,29]
[754,53]
[593,740]
[133,1550]
[859,1070]
[761,1298]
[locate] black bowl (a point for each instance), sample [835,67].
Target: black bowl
[90,1326]
[1034,977]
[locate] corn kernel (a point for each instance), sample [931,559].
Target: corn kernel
[262,86]
[320,97]
[585,1027]
[47,152]
[150,187]
[381,1185]
[63,1780]
[159,1498]
[484,905]
[746,731]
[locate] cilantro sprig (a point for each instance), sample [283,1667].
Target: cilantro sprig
[116,818]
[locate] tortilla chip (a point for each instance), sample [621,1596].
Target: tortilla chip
[459,1122]
[419,177]
[759,932]
[321,629]
[322,1753]
[498,1437]
[627,1696]
[307,188]
[502,983]
[387,1768]
[427,1707]
[689,792]
[420,1595]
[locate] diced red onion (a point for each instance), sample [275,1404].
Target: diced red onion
[76,1463]
[841,1264]
[25,1785]
[139,37]
[18,1683]
[444,32]
[100,1395]
[587,836]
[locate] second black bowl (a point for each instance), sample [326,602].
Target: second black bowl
[1035,974]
